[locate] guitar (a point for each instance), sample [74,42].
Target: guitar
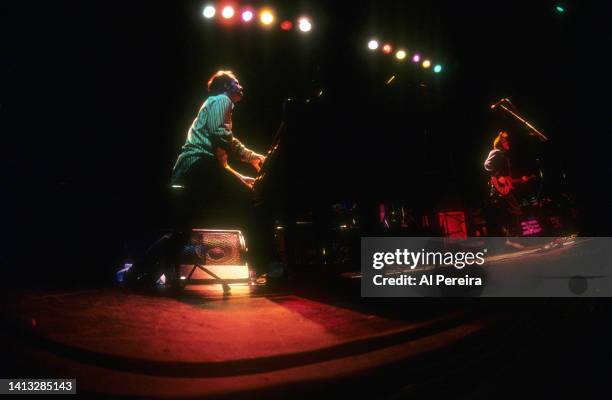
[505,184]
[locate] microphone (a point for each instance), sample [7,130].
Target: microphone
[505,99]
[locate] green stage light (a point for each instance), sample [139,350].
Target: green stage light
[560,8]
[437,68]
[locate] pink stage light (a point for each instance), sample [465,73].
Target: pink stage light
[247,15]
[416,58]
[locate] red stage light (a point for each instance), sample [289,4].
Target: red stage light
[387,48]
[286,25]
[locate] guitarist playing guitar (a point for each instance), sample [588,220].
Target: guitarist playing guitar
[506,207]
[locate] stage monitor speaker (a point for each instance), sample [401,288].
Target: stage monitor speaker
[223,252]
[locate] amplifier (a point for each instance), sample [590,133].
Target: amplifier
[223,252]
[452,224]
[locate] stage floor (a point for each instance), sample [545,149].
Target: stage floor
[259,342]
[116,342]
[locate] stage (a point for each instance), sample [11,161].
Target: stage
[203,344]
[314,151]
[311,338]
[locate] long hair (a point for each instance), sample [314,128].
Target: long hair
[497,141]
[216,83]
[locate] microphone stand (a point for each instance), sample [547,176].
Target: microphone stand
[537,133]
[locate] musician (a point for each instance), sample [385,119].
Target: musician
[204,192]
[506,208]
[210,136]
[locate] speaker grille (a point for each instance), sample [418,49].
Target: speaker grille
[217,247]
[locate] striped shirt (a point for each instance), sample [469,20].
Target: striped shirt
[497,163]
[211,129]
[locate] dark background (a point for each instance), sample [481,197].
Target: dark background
[97,97]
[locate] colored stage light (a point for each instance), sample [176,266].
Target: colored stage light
[437,68]
[416,58]
[387,48]
[247,16]
[426,64]
[266,17]
[304,24]
[209,12]
[560,8]
[286,25]
[227,12]
[400,55]
[373,44]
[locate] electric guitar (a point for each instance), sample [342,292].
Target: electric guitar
[503,185]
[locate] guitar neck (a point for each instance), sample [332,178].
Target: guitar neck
[520,180]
